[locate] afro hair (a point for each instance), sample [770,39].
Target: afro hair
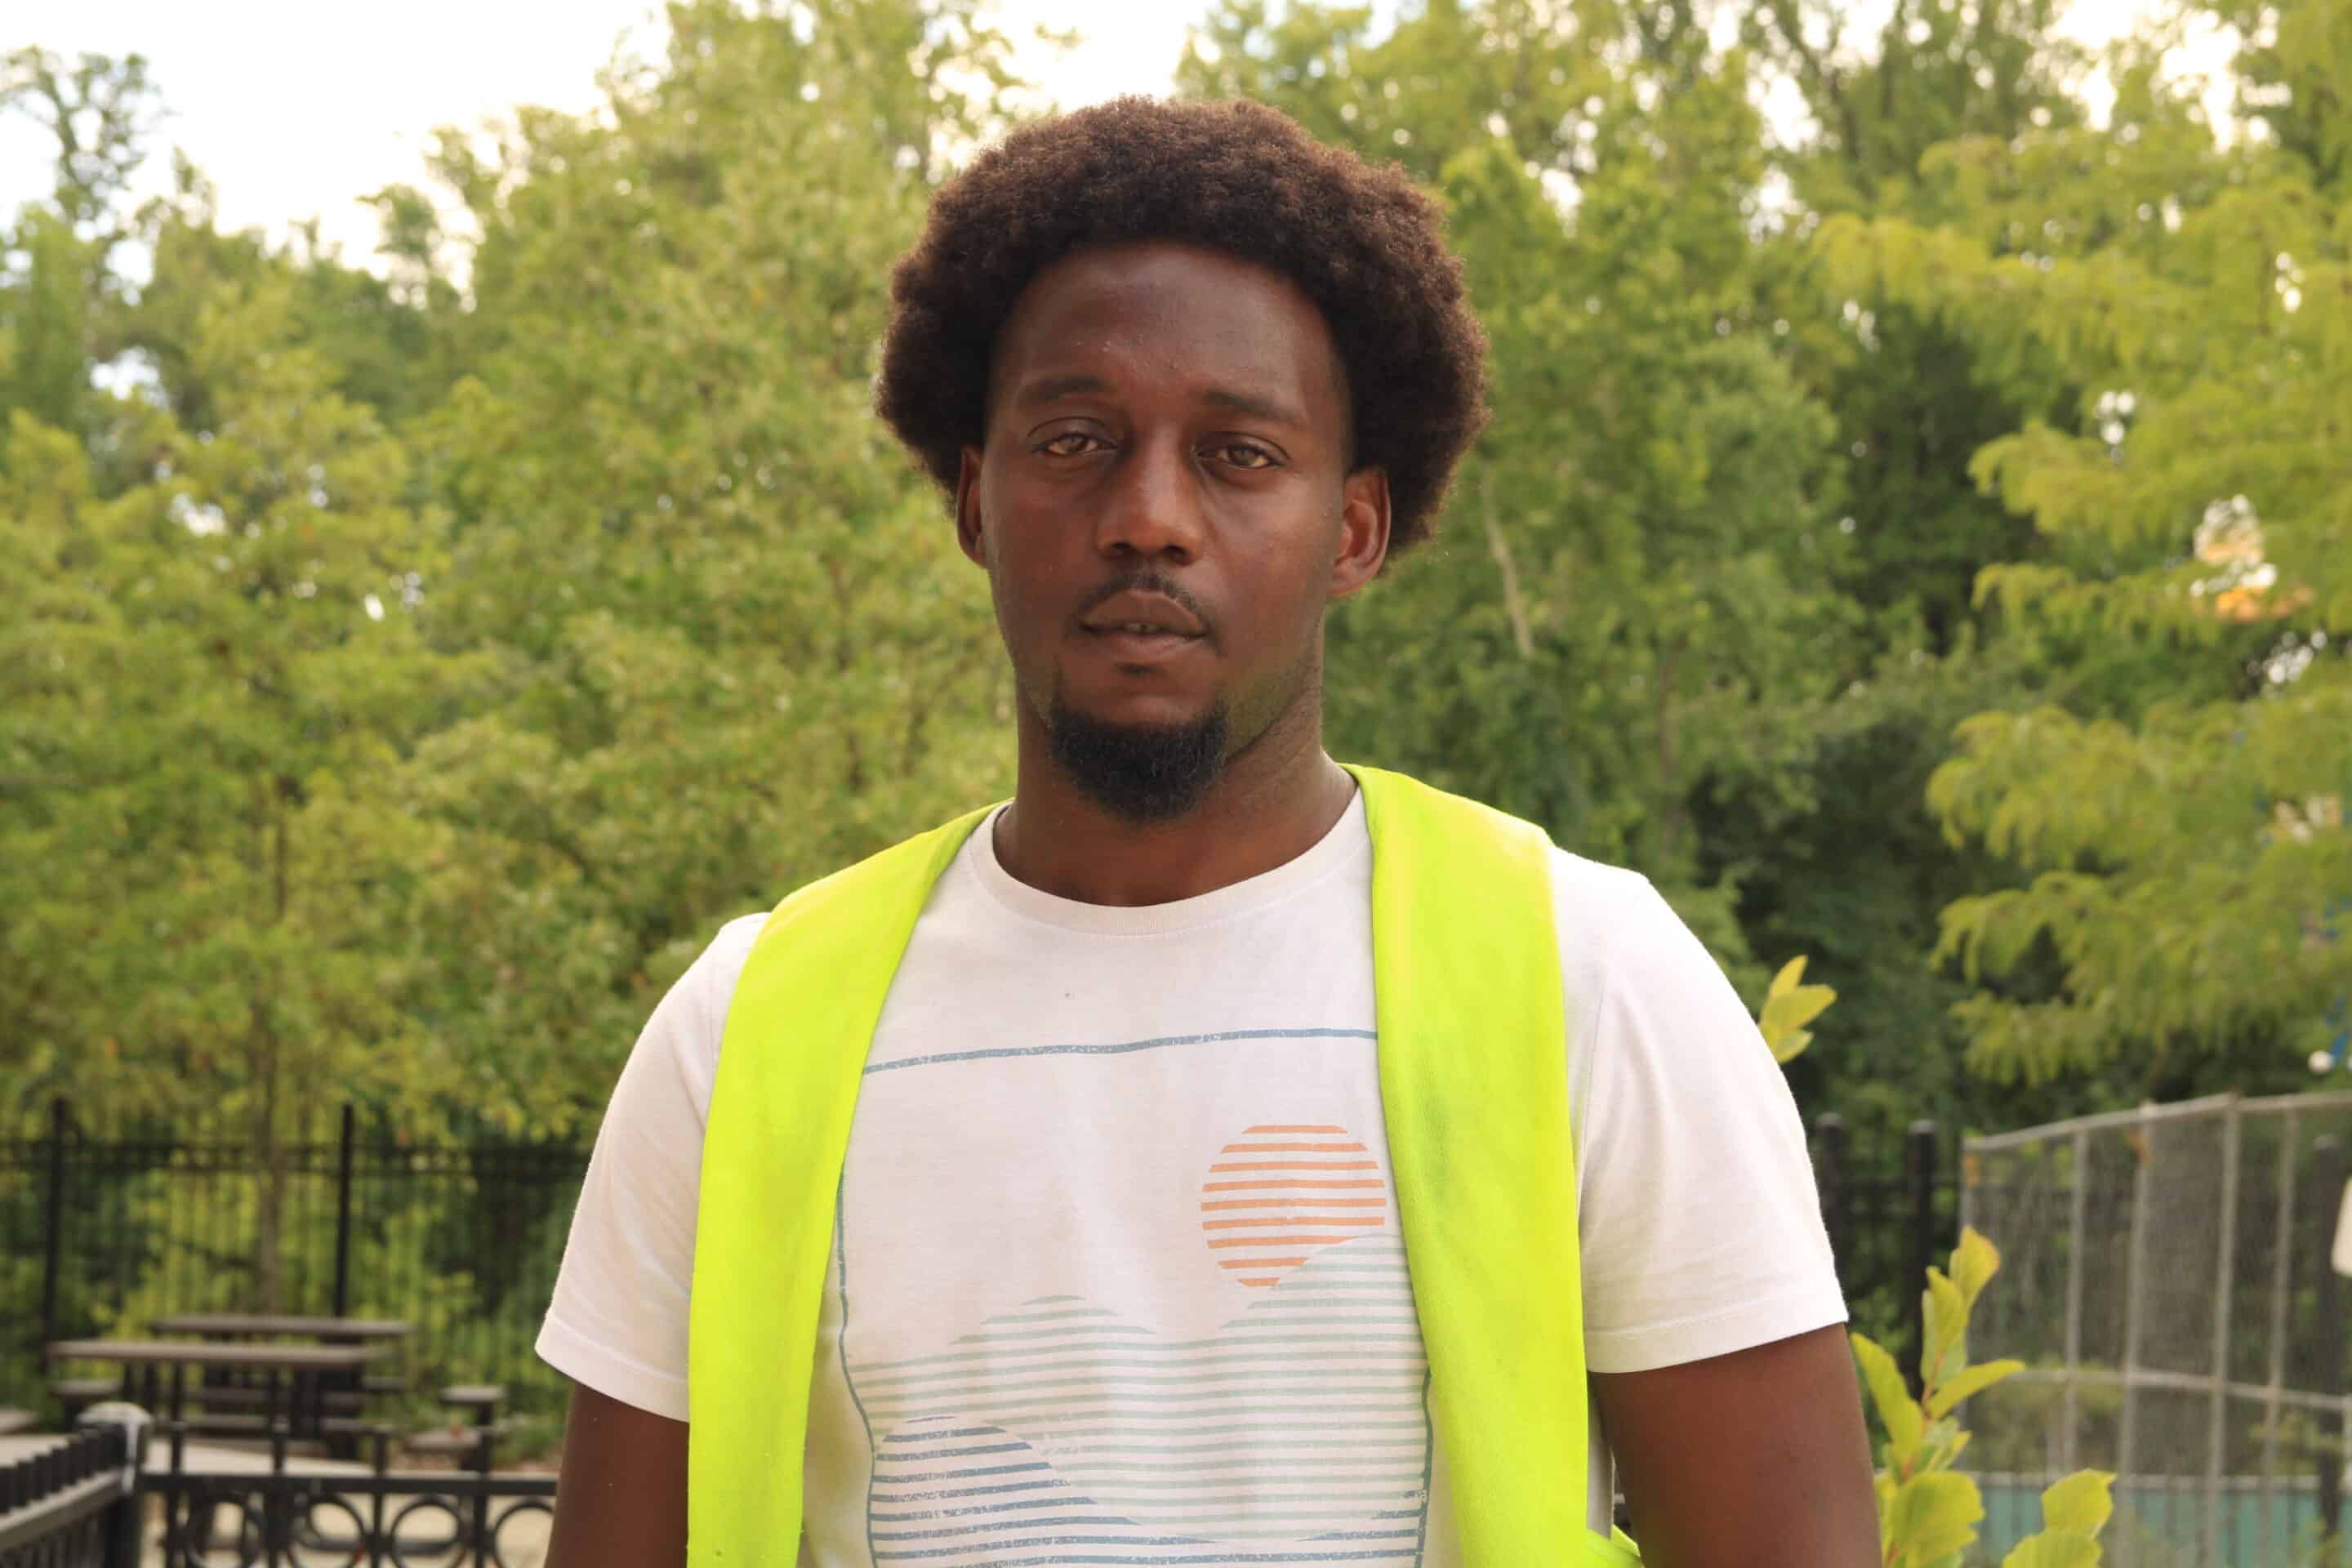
[1240,178]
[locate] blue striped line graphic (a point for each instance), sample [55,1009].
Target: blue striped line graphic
[1057,1434]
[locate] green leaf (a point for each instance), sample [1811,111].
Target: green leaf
[2054,1549]
[1933,1516]
[1789,1007]
[2082,1502]
[1974,1263]
[1904,1422]
[1947,1326]
[1971,1381]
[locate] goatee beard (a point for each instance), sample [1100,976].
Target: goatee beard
[1141,773]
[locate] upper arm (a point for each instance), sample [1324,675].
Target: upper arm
[620,1499]
[1712,1315]
[1757,1458]
[618,1322]
[1699,1227]
[620,1313]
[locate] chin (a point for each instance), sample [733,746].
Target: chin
[1146,766]
[1144,713]
[1137,706]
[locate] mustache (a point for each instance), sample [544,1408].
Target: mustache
[1149,580]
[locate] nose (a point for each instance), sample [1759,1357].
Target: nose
[1151,506]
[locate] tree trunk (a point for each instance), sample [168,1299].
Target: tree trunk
[269,1210]
[1670,805]
[1522,634]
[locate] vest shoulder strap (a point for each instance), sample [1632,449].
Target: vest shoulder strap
[1474,1092]
[810,994]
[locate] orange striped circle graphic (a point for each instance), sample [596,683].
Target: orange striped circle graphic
[1278,1193]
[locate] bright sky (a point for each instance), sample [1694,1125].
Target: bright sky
[296,108]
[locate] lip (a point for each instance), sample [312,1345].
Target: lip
[1141,648]
[1163,615]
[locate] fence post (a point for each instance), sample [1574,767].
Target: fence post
[344,1213]
[53,1222]
[2078,1230]
[1830,1180]
[2225,1274]
[2327,1156]
[1919,1249]
[125,1429]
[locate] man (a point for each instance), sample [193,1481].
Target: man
[1120,1261]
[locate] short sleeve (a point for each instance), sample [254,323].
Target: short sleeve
[1698,1223]
[618,1319]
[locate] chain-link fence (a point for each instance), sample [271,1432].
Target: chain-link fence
[2166,1279]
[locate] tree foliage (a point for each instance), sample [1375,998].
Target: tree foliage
[1922,542]
[2179,795]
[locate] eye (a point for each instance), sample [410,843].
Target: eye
[1068,444]
[1240,455]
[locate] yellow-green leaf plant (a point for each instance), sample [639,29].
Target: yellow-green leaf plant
[1789,1007]
[1927,1511]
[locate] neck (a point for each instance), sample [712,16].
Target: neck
[1275,800]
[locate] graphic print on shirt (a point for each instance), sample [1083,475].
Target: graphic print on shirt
[1297,1431]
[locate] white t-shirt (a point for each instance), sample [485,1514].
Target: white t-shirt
[1117,1273]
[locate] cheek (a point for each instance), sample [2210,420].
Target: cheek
[1022,573]
[1282,606]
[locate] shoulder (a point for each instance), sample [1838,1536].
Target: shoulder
[1616,930]
[1650,1012]
[683,1035]
[708,984]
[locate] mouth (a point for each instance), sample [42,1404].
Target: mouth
[1140,610]
[1137,627]
[1141,642]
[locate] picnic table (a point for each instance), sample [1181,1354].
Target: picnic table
[266,1325]
[297,1369]
[345,1391]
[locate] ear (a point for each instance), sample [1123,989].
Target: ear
[1364,530]
[966,509]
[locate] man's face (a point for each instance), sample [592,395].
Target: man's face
[1164,509]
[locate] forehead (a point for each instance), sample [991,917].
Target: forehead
[1172,318]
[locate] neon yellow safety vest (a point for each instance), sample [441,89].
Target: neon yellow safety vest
[1473,1089]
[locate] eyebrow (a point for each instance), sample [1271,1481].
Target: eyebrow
[1057,386]
[1054,386]
[1263,407]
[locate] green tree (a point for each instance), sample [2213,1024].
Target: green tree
[737,645]
[2179,795]
[59,293]
[389,343]
[207,679]
[1631,611]
[99,112]
[1861,879]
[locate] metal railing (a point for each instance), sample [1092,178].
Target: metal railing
[296,1512]
[64,1506]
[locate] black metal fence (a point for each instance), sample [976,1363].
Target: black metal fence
[84,1501]
[104,1230]
[67,1506]
[1887,1223]
[383,1518]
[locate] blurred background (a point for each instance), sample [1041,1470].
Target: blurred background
[448,564]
